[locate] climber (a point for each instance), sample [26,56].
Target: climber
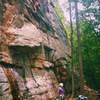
[36,5]
[61,91]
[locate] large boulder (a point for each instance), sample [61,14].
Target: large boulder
[34,50]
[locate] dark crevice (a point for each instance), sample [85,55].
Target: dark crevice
[34,78]
[8,65]
[68,55]
[32,75]
[15,91]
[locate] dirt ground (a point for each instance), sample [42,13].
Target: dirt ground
[90,93]
[69,99]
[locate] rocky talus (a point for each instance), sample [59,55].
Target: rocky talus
[34,52]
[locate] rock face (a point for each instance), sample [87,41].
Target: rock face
[33,52]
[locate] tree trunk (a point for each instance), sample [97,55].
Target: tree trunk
[79,51]
[71,48]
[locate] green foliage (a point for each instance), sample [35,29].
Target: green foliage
[63,20]
[90,40]
[68,30]
[90,53]
[92,12]
[24,76]
[59,12]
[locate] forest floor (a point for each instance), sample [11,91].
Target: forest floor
[90,93]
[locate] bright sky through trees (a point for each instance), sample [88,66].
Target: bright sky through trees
[64,5]
[66,12]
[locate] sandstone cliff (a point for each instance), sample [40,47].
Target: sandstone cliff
[33,52]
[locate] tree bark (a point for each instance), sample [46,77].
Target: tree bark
[79,51]
[71,49]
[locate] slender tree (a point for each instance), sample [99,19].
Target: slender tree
[71,48]
[79,51]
